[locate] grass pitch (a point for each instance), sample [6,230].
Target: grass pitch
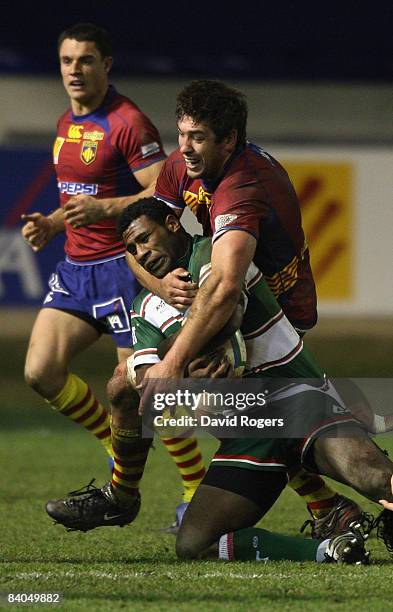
[135,568]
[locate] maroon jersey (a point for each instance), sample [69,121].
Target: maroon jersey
[97,154]
[254,194]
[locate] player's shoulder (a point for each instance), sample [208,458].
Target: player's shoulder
[202,247]
[122,108]
[264,162]
[250,160]
[65,117]
[254,172]
[174,167]
[154,309]
[138,300]
[175,159]
[199,262]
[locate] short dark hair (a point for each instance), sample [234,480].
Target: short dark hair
[220,107]
[154,209]
[90,32]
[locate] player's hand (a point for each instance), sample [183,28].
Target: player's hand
[150,384]
[83,210]
[38,230]
[176,290]
[213,365]
[384,502]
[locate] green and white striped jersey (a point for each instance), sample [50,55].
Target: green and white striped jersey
[274,348]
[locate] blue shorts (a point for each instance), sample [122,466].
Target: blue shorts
[100,293]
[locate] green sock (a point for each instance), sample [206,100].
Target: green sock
[261,545]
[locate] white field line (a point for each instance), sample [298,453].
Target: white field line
[50,575]
[114,576]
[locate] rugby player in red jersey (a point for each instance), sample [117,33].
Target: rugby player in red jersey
[106,155]
[244,199]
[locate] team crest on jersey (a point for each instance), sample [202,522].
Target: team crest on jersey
[89,151]
[56,149]
[75,132]
[223,220]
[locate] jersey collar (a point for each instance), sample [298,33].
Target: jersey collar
[111,92]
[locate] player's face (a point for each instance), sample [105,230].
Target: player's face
[204,157]
[154,246]
[85,74]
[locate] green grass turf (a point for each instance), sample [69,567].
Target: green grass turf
[43,456]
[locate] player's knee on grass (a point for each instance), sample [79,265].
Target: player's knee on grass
[121,393]
[192,542]
[215,510]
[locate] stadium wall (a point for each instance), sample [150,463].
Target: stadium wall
[334,141]
[278,111]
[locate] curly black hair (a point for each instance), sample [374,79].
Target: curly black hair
[218,106]
[152,208]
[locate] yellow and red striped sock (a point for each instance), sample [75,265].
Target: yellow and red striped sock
[319,497]
[187,456]
[77,402]
[130,455]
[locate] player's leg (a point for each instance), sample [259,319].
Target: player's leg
[334,444]
[355,461]
[322,503]
[130,450]
[187,456]
[219,523]
[56,338]
[118,501]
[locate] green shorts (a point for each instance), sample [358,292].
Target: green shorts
[312,412]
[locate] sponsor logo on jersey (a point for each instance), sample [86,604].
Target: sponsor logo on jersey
[75,188]
[149,149]
[223,220]
[75,132]
[96,135]
[56,149]
[89,151]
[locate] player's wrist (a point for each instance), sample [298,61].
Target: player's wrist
[54,226]
[177,359]
[113,207]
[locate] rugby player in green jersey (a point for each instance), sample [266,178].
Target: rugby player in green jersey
[247,474]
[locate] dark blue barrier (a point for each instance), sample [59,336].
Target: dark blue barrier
[28,184]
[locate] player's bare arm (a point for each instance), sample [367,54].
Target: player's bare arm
[39,229]
[174,288]
[214,304]
[83,210]
[231,326]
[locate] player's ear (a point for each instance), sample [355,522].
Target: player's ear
[172,223]
[230,140]
[108,63]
